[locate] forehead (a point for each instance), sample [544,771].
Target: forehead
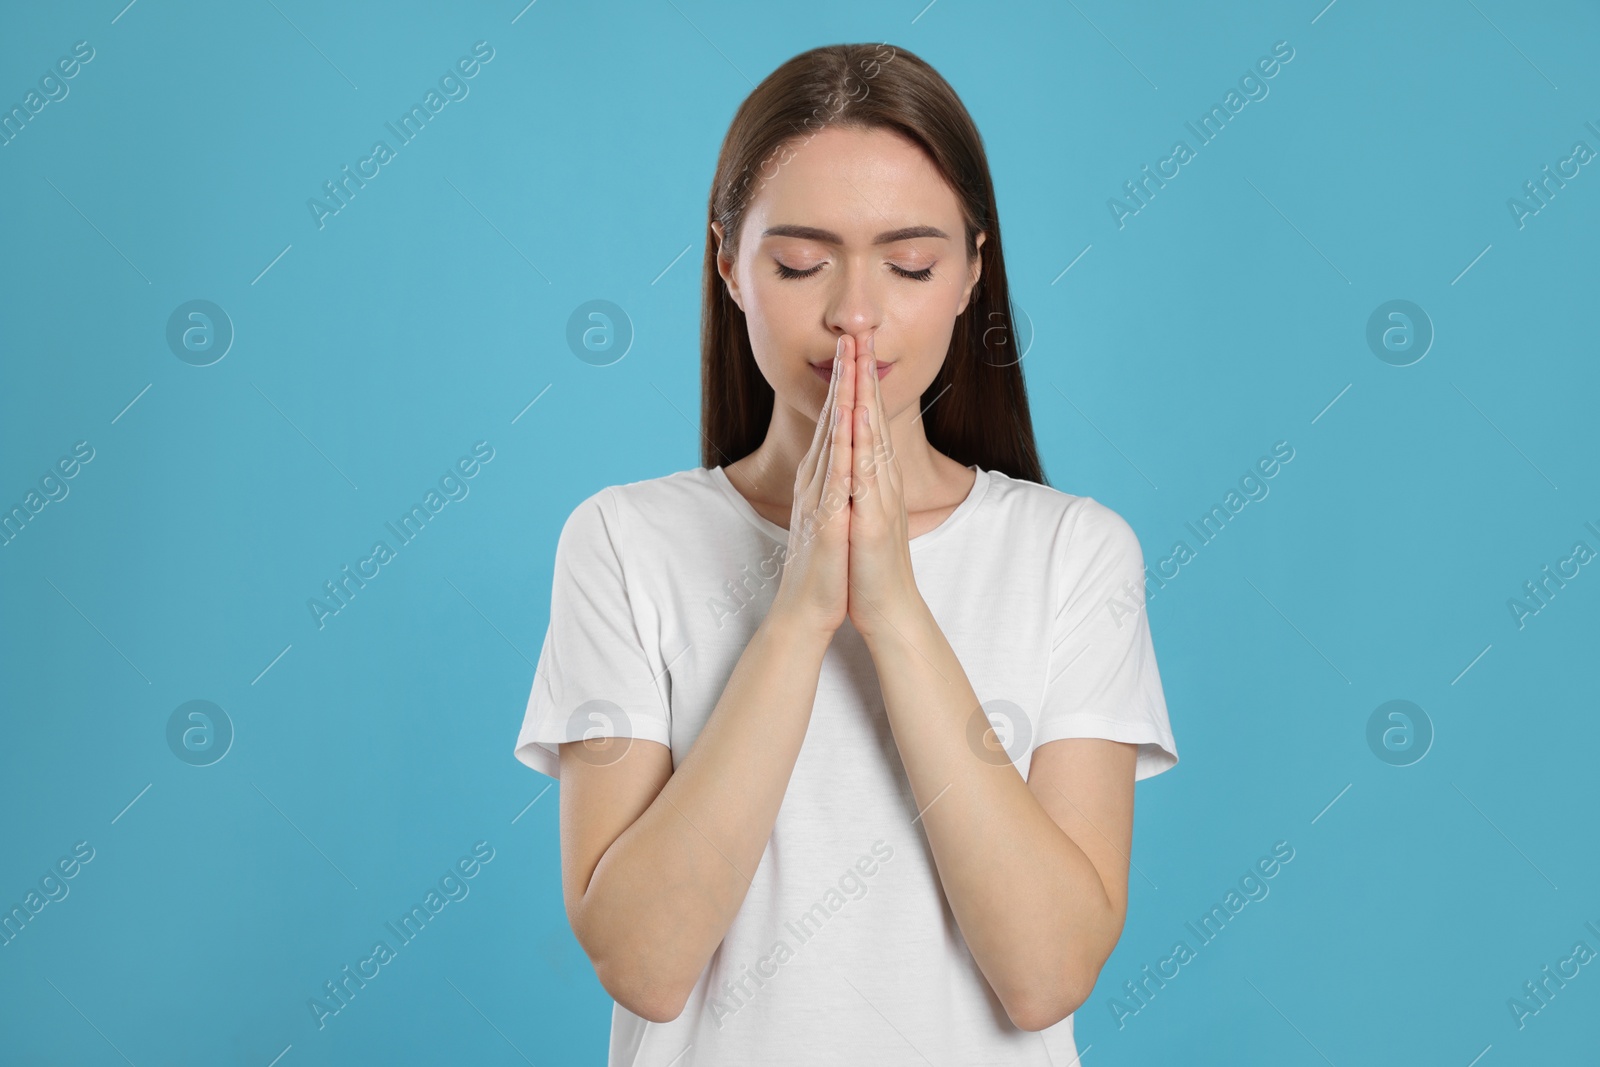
[856,183]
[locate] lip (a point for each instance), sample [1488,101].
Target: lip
[825,370]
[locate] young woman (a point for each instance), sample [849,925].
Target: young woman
[847,720]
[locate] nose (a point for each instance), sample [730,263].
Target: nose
[855,306]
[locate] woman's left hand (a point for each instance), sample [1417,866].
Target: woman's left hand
[882,585]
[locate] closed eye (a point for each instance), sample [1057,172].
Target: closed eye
[925,274]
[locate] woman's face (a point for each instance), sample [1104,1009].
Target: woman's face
[856,233]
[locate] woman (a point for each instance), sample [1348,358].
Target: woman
[847,720]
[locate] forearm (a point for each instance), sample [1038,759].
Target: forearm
[664,894]
[1029,902]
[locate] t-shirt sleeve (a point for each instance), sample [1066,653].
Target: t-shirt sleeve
[594,677]
[1102,679]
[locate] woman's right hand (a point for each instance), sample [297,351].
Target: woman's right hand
[814,589]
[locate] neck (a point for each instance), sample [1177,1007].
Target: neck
[769,472]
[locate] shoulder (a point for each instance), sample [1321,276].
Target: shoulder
[1080,523]
[663,502]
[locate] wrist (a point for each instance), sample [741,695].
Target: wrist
[899,622]
[794,633]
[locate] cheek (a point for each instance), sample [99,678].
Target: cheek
[922,350]
[782,332]
[922,328]
[774,310]
[926,319]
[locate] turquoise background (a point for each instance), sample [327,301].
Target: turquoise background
[1230,313]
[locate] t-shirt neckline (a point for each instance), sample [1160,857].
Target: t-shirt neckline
[980,487]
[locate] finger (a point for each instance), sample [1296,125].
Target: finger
[839,455]
[819,439]
[808,505]
[864,459]
[883,446]
[847,373]
[835,391]
[880,459]
[814,508]
[866,482]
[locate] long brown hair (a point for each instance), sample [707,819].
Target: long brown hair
[976,409]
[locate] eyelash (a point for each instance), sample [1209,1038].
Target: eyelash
[925,274]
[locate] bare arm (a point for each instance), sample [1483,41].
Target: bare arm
[655,862]
[1036,871]
[1039,891]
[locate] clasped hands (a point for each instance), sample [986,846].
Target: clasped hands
[849,551]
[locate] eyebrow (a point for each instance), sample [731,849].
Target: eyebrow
[813,233]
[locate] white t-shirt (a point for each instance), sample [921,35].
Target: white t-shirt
[845,949]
